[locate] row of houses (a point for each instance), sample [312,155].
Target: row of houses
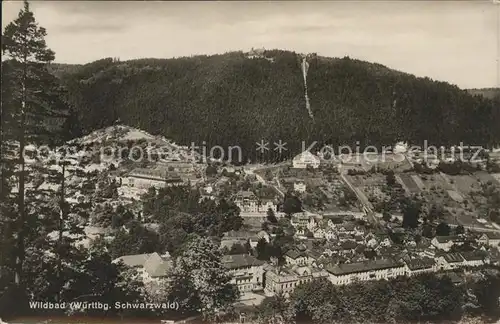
[250,274]
[445,243]
[284,280]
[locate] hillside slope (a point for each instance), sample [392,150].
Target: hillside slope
[231,99]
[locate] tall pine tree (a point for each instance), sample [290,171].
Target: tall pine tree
[32,112]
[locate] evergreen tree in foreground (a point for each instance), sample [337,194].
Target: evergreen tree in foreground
[32,112]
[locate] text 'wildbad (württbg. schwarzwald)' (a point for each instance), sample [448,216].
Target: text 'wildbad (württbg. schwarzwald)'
[103,306]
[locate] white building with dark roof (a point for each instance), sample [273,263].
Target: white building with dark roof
[246,271]
[347,273]
[296,257]
[299,186]
[420,265]
[248,202]
[491,239]
[284,280]
[306,159]
[450,261]
[144,178]
[151,266]
[474,258]
[446,242]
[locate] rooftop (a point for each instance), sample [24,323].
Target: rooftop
[136,260]
[446,239]
[158,173]
[156,266]
[473,256]
[493,236]
[420,263]
[294,254]
[153,263]
[349,268]
[240,260]
[245,195]
[453,257]
[306,156]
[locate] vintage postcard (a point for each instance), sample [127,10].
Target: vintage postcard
[250,162]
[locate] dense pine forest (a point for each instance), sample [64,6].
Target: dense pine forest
[230,99]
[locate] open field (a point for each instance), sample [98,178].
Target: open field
[486,177]
[435,181]
[464,183]
[455,193]
[387,161]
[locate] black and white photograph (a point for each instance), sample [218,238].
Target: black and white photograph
[256,162]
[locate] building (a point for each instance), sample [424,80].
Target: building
[304,220]
[445,242]
[285,279]
[179,166]
[363,271]
[473,259]
[420,265]
[248,202]
[299,186]
[306,159]
[491,239]
[151,266]
[242,237]
[247,272]
[296,257]
[146,178]
[450,261]
[207,192]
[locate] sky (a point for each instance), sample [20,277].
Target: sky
[453,41]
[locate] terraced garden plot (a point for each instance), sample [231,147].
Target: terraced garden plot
[464,183]
[418,181]
[458,216]
[408,183]
[367,180]
[445,181]
[455,196]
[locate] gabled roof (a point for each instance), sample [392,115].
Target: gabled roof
[306,156]
[135,260]
[493,236]
[473,256]
[420,263]
[153,263]
[348,226]
[156,266]
[245,194]
[314,254]
[453,257]
[349,245]
[240,260]
[294,254]
[446,239]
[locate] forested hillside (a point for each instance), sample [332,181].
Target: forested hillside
[230,99]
